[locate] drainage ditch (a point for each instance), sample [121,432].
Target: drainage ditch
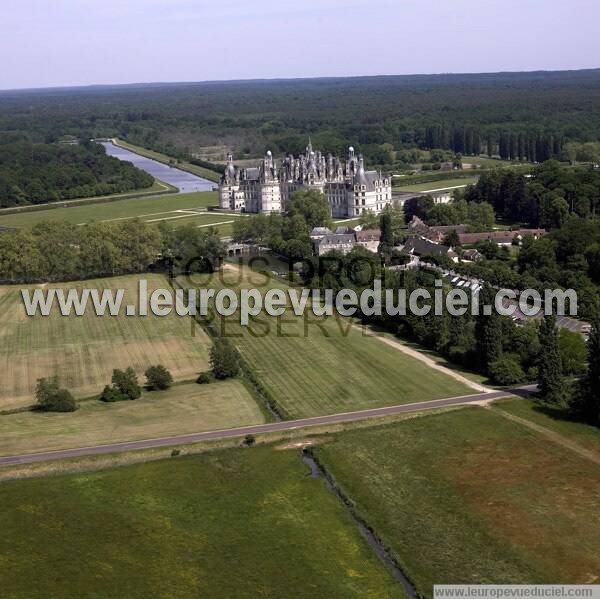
[318,471]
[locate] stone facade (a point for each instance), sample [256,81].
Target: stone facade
[339,242]
[348,187]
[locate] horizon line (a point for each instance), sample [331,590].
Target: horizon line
[276,79]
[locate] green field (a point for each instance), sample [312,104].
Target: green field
[185,408]
[556,420]
[233,523]
[317,366]
[436,185]
[153,208]
[487,162]
[84,350]
[471,497]
[346,222]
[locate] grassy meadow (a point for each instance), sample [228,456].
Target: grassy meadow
[555,420]
[151,208]
[184,408]
[436,185]
[320,365]
[84,350]
[232,523]
[487,162]
[471,497]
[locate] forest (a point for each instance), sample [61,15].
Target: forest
[61,251]
[542,199]
[36,173]
[527,116]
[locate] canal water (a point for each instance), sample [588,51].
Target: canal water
[184,181]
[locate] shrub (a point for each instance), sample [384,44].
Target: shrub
[126,382]
[249,440]
[51,398]
[224,359]
[205,378]
[158,378]
[506,370]
[110,394]
[124,386]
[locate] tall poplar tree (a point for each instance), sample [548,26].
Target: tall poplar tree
[488,330]
[586,403]
[551,380]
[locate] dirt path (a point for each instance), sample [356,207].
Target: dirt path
[553,436]
[426,359]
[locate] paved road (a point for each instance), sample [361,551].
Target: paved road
[260,428]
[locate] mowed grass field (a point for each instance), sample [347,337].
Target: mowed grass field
[486,161]
[84,350]
[184,408]
[320,365]
[148,209]
[436,185]
[231,523]
[346,222]
[471,497]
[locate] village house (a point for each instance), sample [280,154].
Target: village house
[419,247]
[318,233]
[344,239]
[340,242]
[369,239]
[500,237]
[471,255]
[437,234]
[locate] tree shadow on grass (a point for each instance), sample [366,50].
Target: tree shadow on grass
[430,353]
[555,413]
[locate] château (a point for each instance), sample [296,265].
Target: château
[348,187]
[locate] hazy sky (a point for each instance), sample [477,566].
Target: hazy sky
[77,42]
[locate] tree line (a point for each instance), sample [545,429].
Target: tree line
[61,251]
[51,397]
[479,216]
[545,198]
[509,145]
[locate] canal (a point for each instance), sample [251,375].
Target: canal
[184,181]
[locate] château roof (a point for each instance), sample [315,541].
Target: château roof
[311,168]
[252,174]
